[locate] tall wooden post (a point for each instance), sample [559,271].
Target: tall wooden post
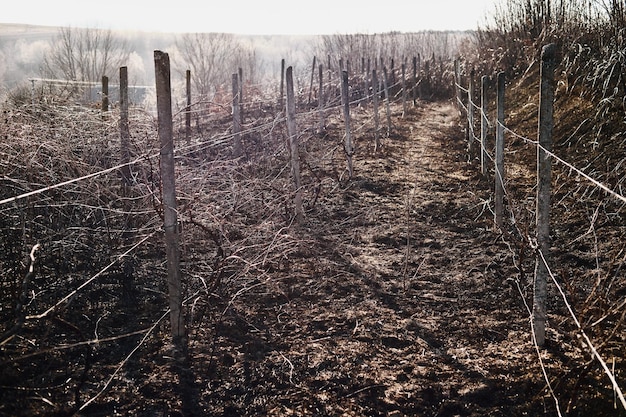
[470,115]
[414,81]
[105,94]
[170,224]
[457,87]
[544,179]
[375,98]
[293,145]
[241,105]
[403,90]
[387,99]
[311,84]
[281,97]
[188,108]
[128,283]
[345,101]
[320,101]
[124,128]
[499,185]
[368,81]
[484,124]
[237,146]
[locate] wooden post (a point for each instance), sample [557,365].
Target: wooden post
[320,101]
[375,97]
[345,101]
[457,87]
[105,94]
[188,108]
[293,145]
[368,81]
[387,99]
[128,284]
[470,116]
[281,97]
[124,129]
[484,124]
[403,90]
[170,224]
[32,93]
[237,146]
[419,72]
[329,90]
[414,81]
[499,185]
[241,105]
[544,179]
[311,84]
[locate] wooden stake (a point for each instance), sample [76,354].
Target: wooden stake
[375,98]
[414,81]
[170,224]
[387,99]
[241,105]
[293,145]
[499,186]
[188,108]
[484,124]
[237,146]
[345,101]
[124,129]
[544,179]
[311,84]
[457,87]
[128,282]
[105,94]
[320,102]
[470,116]
[281,97]
[403,90]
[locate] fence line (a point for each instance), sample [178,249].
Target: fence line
[214,141]
[557,158]
[539,249]
[353,97]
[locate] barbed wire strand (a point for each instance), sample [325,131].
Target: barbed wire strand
[568,165]
[594,351]
[68,182]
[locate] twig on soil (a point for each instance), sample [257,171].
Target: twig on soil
[291,367]
[364,389]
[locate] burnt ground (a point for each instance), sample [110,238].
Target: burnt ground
[395,297]
[401,304]
[397,302]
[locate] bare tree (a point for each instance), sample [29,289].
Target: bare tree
[84,54]
[212,57]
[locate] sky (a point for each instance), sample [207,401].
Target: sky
[259,17]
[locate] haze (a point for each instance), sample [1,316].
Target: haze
[271,17]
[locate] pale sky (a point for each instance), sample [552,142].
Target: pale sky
[254,16]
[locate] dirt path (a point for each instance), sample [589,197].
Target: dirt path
[400,306]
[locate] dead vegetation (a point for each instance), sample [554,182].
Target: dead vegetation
[395,297]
